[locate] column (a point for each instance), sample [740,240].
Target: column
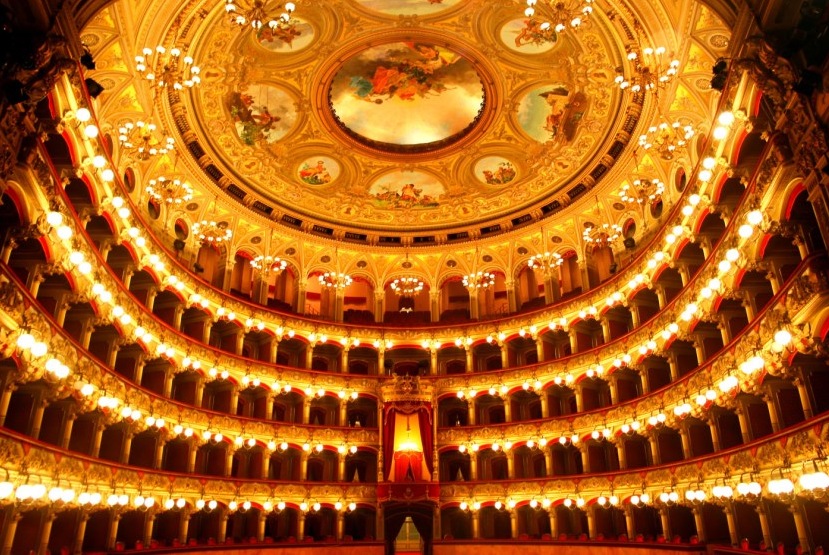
[379,305]
[664,517]
[149,520]
[191,457]
[343,412]
[306,410]
[240,341]
[159,451]
[303,467]
[178,312]
[653,441]
[684,274]
[37,416]
[309,355]
[476,525]
[745,428]
[184,526]
[674,366]
[168,382]
[300,296]
[699,522]
[620,450]
[344,360]
[511,300]
[660,296]
[473,465]
[504,356]
[764,526]
[380,523]
[510,464]
[687,448]
[205,332]
[45,531]
[605,323]
[5,397]
[578,391]
[700,349]
[644,379]
[634,314]
[77,548]
[574,341]
[800,382]
[470,404]
[715,433]
[539,349]
[339,302]
[733,533]
[381,359]
[433,362]
[591,521]
[630,524]
[553,515]
[112,536]
[11,529]
[613,385]
[340,525]
[273,348]
[507,408]
[125,450]
[436,532]
[549,297]
[260,526]
[800,525]
[585,458]
[221,535]
[513,521]
[266,463]
[434,305]
[771,403]
[548,462]
[340,468]
[138,375]
[96,440]
[470,361]
[151,294]
[725,333]
[228,461]
[473,304]
[198,396]
[545,404]
[234,399]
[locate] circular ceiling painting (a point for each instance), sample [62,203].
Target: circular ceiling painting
[408,7]
[407,96]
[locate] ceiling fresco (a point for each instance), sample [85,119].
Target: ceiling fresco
[420,125]
[399,116]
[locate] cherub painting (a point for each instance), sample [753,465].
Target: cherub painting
[502,174]
[416,190]
[261,113]
[552,113]
[318,171]
[528,36]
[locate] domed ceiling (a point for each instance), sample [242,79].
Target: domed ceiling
[403,117]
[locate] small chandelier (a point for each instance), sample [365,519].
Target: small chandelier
[478,280]
[652,67]
[169,191]
[268,264]
[335,280]
[165,68]
[212,232]
[602,235]
[642,191]
[545,262]
[667,138]
[560,15]
[256,15]
[140,138]
[408,286]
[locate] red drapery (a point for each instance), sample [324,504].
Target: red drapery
[424,420]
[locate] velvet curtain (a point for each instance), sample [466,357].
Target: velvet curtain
[424,418]
[388,441]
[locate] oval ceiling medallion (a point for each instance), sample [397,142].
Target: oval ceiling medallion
[407,97]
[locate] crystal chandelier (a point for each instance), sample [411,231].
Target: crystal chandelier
[667,138]
[257,15]
[163,68]
[559,15]
[212,232]
[268,264]
[478,280]
[335,280]
[169,191]
[140,138]
[642,191]
[602,235]
[651,67]
[545,262]
[408,286]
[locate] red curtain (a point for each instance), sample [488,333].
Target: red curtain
[388,441]
[424,419]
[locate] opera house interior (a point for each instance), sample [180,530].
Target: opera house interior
[257,296]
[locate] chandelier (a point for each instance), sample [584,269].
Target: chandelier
[140,138]
[641,191]
[560,15]
[268,264]
[212,232]
[478,280]
[545,261]
[667,139]
[256,15]
[651,67]
[602,235]
[169,191]
[408,286]
[165,68]
[335,280]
